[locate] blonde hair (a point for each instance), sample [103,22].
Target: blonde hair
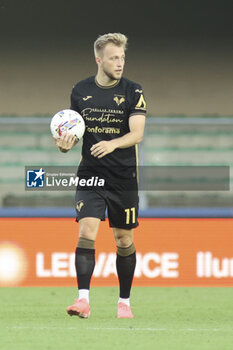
[117,39]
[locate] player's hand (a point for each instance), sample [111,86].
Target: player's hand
[65,142]
[102,148]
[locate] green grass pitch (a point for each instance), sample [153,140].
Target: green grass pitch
[165,318]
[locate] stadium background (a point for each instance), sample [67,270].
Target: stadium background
[182,55]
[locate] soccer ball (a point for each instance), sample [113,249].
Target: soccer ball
[69,121]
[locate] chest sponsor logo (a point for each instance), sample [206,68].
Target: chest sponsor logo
[87,98]
[105,130]
[102,116]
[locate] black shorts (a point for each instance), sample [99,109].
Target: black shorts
[120,202]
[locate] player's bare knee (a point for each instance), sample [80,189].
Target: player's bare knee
[88,228]
[86,238]
[86,232]
[123,238]
[124,241]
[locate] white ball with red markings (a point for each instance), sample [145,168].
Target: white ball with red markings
[68,121]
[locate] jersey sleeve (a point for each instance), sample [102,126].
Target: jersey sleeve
[138,103]
[74,100]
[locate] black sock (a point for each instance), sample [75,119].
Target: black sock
[125,269]
[84,263]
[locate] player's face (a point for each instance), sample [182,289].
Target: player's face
[112,61]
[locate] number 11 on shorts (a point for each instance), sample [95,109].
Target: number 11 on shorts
[130,212]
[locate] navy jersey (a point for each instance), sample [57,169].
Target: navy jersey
[106,112]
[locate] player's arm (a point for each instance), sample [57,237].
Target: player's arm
[136,127]
[65,142]
[134,136]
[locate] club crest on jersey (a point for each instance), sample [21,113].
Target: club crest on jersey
[79,205]
[119,99]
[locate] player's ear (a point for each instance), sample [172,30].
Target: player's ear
[98,60]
